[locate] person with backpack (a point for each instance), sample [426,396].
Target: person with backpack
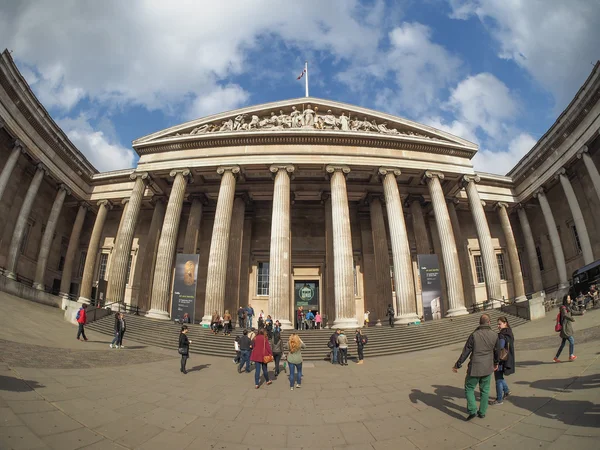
[81,318]
[334,346]
[117,331]
[506,360]
[276,347]
[564,325]
[361,340]
[342,341]
[295,346]
[390,313]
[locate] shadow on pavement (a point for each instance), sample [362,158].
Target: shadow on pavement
[198,368]
[525,364]
[565,384]
[440,400]
[17,385]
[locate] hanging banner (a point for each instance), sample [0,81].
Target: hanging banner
[306,294]
[431,286]
[184,286]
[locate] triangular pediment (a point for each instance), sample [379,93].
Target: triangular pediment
[305,115]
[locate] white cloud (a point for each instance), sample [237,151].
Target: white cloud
[421,69]
[96,145]
[224,98]
[554,40]
[456,128]
[484,102]
[501,162]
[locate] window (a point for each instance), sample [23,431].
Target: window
[538,253]
[26,233]
[102,270]
[128,269]
[521,264]
[576,239]
[501,266]
[479,269]
[262,279]
[61,264]
[81,264]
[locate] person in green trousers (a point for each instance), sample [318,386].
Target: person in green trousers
[483,348]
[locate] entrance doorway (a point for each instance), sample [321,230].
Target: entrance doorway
[306,295]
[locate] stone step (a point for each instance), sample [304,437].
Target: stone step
[382,340]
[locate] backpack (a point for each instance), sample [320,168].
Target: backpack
[558,327]
[78,314]
[365,339]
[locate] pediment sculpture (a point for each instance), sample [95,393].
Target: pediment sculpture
[308,118]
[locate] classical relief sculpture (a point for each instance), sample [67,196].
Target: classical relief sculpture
[308,118]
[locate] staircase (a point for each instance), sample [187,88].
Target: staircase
[382,340]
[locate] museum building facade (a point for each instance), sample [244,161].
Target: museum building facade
[303,196]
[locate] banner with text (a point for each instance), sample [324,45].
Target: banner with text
[431,286]
[184,286]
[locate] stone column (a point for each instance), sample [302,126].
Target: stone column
[463,253]
[488,254]
[10,165]
[85,290]
[167,246]
[557,250]
[456,297]
[381,253]
[150,252]
[234,256]
[67,272]
[219,245]
[406,302]
[584,238]
[513,254]
[329,272]
[17,237]
[280,254]
[48,237]
[591,168]
[115,291]
[192,231]
[419,227]
[343,267]
[534,265]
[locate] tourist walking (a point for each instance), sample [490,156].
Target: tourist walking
[117,331]
[184,348]
[249,315]
[245,348]
[227,323]
[366,318]
[309,320]
[299,318]
[334,346]
[482,347]
[81,318]
[342,341]
[122,332]
[214,322]
[294,359]
[261,355]
[236,347]
[361,340]
[277,348]
[318,320]
[566,329]
[241,317]
[506,360]
[390,313]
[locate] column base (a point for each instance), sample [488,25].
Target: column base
[84,301]
[346,323]
[38,286]
[460,311]
[495,304]
[11,275]
[158,314]
[286,325]
[520,299]
[406,318]
[206,320]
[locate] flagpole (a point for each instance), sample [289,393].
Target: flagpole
[306,73]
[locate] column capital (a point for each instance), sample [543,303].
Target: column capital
[539,192]
[187,174]
[559,172]
[453,200]
[156,199]
[501,205]
[63,187]
[106,203]
[414,198]
[391,170]
[581,151]
[84,205]
[145,176]
[42,167]
[374,196]
[325,195]
[124,201]
[244,196]
[332,168]
[289,168]
[429,174]
[466,179]
[235,170]
[19,145]
[200,196]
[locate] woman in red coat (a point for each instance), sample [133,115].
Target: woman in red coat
[260,349]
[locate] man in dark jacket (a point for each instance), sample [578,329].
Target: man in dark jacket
[334,346]
[241,321]
[482,345]
[245,347]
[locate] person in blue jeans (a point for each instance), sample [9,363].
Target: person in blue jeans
[506,340]
[566,333]
[261,349]
[334,346]
[250,314]
[245,347]
[294,359]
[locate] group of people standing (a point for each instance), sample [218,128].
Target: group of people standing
[338,344]
[120,328]
[307,320]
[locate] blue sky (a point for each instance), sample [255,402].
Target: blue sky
[496,73]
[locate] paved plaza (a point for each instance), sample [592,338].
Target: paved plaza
[58,393]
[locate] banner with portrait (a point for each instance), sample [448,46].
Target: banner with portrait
[431,286]
[184,286]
